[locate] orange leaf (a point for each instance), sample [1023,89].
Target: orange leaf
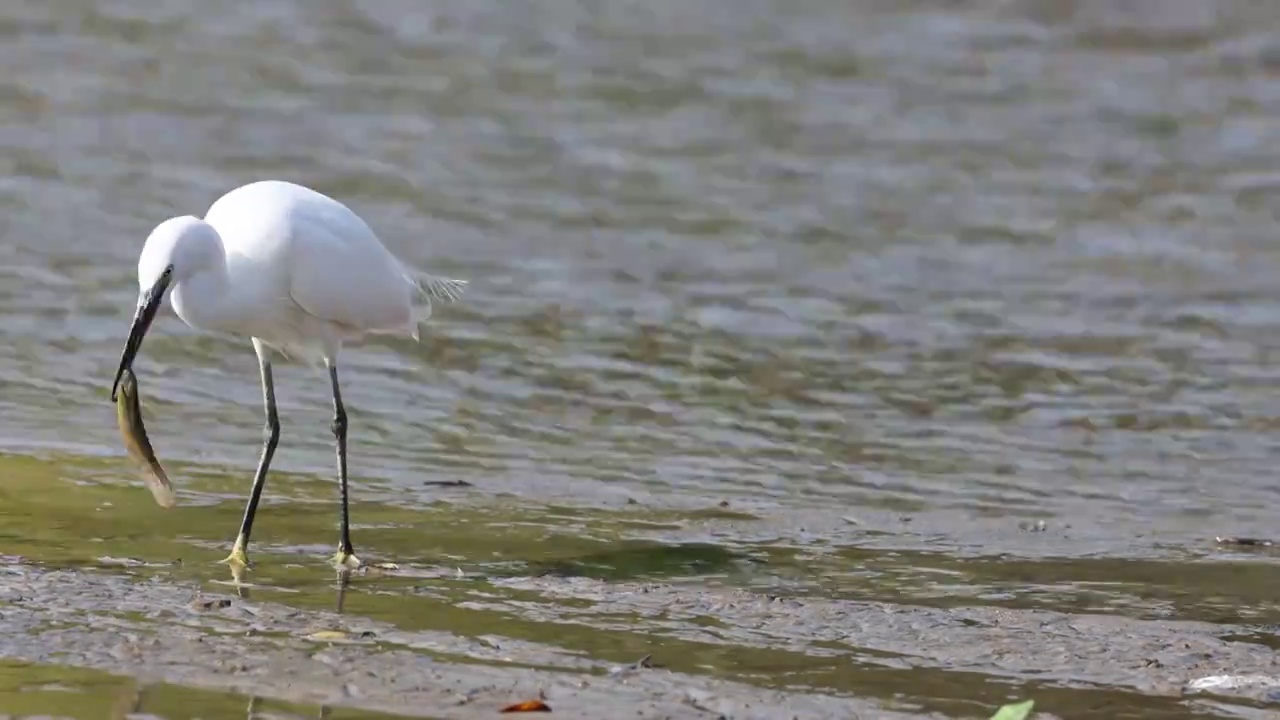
[528,706]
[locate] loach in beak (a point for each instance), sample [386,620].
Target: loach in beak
[148,305]
[136,443]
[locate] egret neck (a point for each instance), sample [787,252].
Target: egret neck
[188,264]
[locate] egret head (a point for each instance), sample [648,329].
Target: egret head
[176,249]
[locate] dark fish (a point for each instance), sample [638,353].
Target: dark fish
[129,417]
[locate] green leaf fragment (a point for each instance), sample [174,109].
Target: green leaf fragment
[1015,711]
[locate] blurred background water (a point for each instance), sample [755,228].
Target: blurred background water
[974,261]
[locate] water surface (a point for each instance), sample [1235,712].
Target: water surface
[944,305]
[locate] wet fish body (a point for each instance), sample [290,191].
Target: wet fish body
[136,443]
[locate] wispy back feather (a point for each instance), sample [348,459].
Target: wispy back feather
[433,286]
[441,287]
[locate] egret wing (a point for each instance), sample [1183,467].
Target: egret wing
[342,273]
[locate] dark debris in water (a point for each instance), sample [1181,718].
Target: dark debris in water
[1245,541]
[211,603]
[446,483]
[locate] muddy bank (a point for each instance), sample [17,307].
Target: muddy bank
[1156,657]
[166,633]
[1074,665]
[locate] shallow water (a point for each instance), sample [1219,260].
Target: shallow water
[919,307]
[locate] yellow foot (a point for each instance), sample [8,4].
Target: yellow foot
[238,557]
[345,559]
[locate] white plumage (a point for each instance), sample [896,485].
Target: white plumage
[294,270]
[290,266]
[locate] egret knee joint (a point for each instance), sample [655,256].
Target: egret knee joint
[271,432]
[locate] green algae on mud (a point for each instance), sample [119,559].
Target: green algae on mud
[74,693]
[75,511]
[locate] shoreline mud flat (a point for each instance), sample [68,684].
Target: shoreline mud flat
[162,633]
[170,631]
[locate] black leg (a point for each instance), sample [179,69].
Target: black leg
[345,555]
[270,438]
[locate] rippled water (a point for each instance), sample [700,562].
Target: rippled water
[892,275]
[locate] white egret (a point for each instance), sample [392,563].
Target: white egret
[300,274]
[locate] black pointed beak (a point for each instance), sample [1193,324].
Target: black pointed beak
[148,305]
